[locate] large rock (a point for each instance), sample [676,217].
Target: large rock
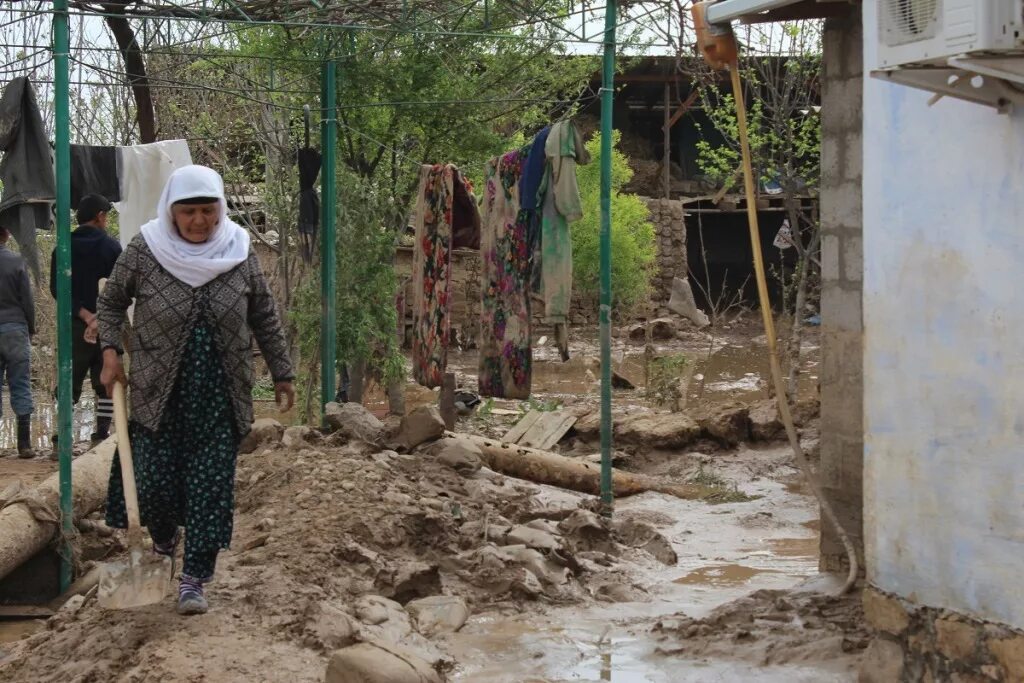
[420,426]
[329,626]
[765,424]
[728,423]
[660,430]
[265,430]
[637,534]
[409,581]
[681,301]
[538,539]
[662,329]
[438,614]
[379,662]
[460,455]
[353,421]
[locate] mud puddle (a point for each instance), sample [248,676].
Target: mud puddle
[44,421]
[725,552]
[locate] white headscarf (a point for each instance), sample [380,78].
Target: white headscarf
[195,264]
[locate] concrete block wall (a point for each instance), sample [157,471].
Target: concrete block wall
[842,327]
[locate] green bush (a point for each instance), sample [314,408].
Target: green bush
[633,237]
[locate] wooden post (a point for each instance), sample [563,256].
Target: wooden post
[666,159]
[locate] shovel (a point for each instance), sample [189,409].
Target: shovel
[144,578]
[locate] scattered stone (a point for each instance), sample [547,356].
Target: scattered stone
[1009,652]
[956,639]
[728,423]
[462,456]
[885,613]
[329,626]
[638,333]
[264,431]
[681,301]
[662,329]
[438,614]
[532,538]
[882,662]
[765,424]
[353,421]
[620,381]
[379,662]
[410,581]
[588,531]
[637,534]
[669,431]
[421,425]
[302,435]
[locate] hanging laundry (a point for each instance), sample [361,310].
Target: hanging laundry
[562,205]
[144,171]
[26,171]
[531,198]
[506,354]
[94,170]
[308,160]
[438,211]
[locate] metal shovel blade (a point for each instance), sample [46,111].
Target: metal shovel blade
[142,580]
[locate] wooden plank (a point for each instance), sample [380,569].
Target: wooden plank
[683,108]
[548,430]
[516,433]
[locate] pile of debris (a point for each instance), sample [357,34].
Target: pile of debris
[361,544]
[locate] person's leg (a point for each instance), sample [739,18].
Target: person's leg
[104,404]
[16,350]
[81,355]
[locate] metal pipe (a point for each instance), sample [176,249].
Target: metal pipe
[607,99]
[328,246]
[62,153]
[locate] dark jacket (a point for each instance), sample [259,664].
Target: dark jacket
[16,305]
[240,307]
[26,169]
[93,255]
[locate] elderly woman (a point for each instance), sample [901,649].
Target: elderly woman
[200,297]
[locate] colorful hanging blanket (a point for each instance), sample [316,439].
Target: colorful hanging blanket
[505,247]
[445,199]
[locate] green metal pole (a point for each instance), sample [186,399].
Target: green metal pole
[607,97]
[62,127]
[328,246]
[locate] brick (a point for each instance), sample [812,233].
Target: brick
[853,160]
[885,613]
[853,258]
[830,258]
[1009,652]
[841,308]
[882,662]
[956,640]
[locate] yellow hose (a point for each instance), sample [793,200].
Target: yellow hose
[769,330]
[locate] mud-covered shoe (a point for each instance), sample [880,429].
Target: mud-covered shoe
[190,597]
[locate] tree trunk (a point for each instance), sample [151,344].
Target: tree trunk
[543,467]
[134,69]
[22,535]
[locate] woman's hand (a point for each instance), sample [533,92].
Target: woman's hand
[113,371]
[284,394]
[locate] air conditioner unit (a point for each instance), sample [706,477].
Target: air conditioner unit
[921,33]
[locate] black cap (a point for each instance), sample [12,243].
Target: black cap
[90,206]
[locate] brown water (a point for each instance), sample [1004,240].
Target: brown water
[12,630]
[44,421]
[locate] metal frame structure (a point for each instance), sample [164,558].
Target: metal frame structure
[257,12]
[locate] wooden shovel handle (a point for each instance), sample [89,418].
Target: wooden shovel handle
[124,451]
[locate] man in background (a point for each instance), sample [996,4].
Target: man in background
[17,324]
[93,254]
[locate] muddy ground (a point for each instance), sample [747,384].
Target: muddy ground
[338,542]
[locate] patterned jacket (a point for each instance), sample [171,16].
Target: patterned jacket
[239,305]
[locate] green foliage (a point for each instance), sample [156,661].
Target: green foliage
[633,237]
[663,385]
[366,282]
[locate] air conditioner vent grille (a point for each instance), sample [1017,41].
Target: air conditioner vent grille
[908,21]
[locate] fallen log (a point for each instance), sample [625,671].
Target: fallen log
[544,467]
[22,535]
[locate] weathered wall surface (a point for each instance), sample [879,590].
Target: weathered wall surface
[841,378]
[944,324]
[670,233]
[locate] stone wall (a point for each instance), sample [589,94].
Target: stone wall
[670,233]
[842,327]
[465,304]
[915,643]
